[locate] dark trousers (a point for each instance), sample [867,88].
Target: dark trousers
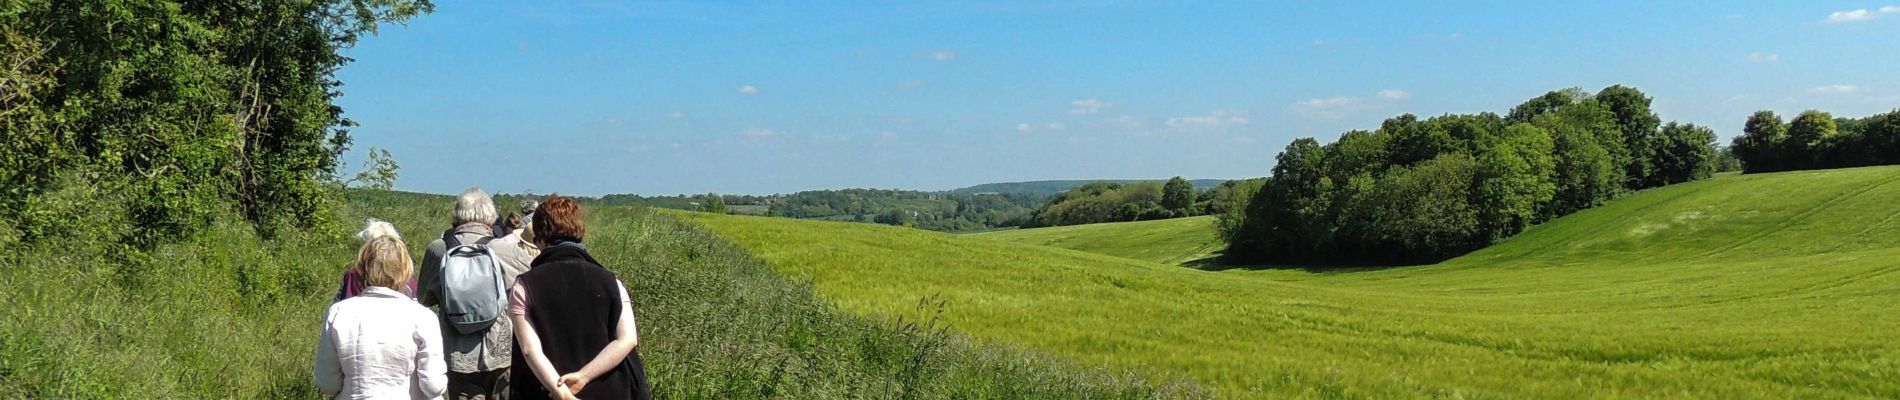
[485,385]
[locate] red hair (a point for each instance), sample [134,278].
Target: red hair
[557,219]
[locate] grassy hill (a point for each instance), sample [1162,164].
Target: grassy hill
[232,315]
[1755,286]
[1059,186]
[1167,241]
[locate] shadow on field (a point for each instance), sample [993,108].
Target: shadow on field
[1219,262]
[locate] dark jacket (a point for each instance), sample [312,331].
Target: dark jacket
[574,306]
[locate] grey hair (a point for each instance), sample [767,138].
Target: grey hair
[474,205]
[375,228]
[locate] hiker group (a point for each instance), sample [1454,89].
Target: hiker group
[522,311]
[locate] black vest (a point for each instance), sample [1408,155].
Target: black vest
[574,305]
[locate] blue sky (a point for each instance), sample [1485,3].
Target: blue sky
[692,97]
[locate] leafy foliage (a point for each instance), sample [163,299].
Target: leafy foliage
[1177,196]
[1115,202]
[1417,191]
[198,104]
[379,172]
[1816,140]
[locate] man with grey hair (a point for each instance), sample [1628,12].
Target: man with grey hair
[478,361]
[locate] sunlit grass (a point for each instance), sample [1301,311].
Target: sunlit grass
[1755,286]
[229,315]
[1168,241]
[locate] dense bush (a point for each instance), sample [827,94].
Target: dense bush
[1112,201]
[197,104]
[1421,191]
[1816,140]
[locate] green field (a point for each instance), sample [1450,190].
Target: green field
[1168,241]
[228,314]
[1753,286]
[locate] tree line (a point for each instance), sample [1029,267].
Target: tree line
[1815,140]
[1108,201]
[176,110]
[1421,191]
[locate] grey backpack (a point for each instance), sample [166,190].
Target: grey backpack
[472,292]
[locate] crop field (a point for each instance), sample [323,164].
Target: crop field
[233,315]
[1168,241]
[1752,286]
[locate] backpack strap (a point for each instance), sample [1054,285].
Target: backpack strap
[450,243]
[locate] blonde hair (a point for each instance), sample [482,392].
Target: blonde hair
[384,261]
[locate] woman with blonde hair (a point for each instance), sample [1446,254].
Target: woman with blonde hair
[381,343]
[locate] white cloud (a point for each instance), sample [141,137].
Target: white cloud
[676,115]
[1216,119]
[1328,108]
[1341,106]
[1860,15]
[943,55]
[639,149]
[1761,57]
[1052,126]
[748,90]
[759,133]
[1125,122]
[910,84]
[1088,106]
[1836,89]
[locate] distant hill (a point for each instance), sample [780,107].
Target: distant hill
[1054,187]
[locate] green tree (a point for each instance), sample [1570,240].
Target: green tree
[1585,139]
[1426,210]
[1806,134]
[1687,153]
[1516,180]
[379,172]
[1229,209]
[1762,146]
[191,103]
[1545,104]
[1178,196]
[1638,127]
[713,203]
[1726,161]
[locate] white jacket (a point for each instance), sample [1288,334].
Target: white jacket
[380,345]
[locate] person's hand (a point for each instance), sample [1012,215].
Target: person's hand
[561,392]
[574,381]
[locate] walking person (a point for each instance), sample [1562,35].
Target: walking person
[464,275]
[381,343]
[574,323]
[352,284]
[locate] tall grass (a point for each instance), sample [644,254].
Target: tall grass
[228,315]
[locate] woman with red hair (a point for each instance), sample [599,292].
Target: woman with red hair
[572,316]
